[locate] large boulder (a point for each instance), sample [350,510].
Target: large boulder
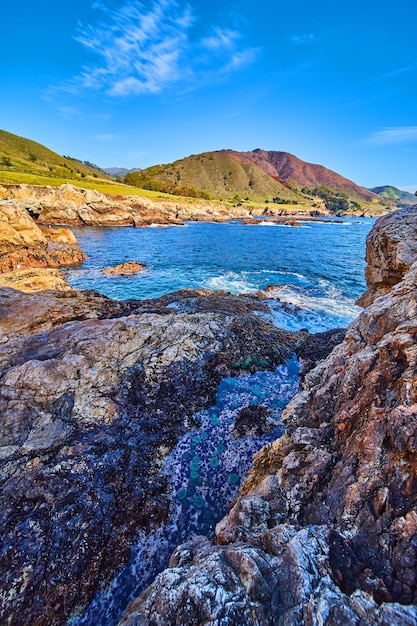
[390,252]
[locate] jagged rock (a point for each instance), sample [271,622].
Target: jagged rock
[252,420]
[317,347]
[93,396]
[390,252]
[77,207]
[22,314]
[125,269]
[325,528]
[24,245]
[282,578]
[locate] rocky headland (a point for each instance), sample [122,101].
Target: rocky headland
[73,206]
[324,530]
[94,395]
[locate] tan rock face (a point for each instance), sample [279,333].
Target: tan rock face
[125,269]
[391,250]
[34,280]
[23,245]
[77,207]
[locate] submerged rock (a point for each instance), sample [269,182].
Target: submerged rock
[325,528]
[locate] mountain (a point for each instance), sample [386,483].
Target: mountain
[287,167]
[18,154]
[212,175]
[257,175]
[119,172]
[401,198]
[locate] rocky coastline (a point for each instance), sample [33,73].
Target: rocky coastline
[73,206]
[95,393]
[325,527]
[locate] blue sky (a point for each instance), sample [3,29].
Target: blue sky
[134,83]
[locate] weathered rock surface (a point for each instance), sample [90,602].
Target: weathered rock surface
[93,395]
[35,280]
[77,207]
[325,528]
[23,245]
[125,269]
[317,347]
[390,252]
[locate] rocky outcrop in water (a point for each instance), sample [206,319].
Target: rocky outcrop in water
[125,269]
[93,396]
[325,528]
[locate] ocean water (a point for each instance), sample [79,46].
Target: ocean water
[320,266]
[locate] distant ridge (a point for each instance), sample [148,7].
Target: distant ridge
[400,197]
[119,172]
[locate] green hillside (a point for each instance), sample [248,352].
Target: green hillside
[18,154]
[213,175]
[397,195]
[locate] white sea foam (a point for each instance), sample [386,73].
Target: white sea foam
[316,312]
[230,281]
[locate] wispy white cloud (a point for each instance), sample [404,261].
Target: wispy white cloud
[240,59]
[221,39]
[144,48]
[303,39]
[400,71]
[395,134]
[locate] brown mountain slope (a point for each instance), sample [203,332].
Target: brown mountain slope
[287,167]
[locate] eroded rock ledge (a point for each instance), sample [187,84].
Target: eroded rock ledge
[325,528]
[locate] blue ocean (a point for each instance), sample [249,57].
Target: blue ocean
[320,266]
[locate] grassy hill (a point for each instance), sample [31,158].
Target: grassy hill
[401,198]
[255,178]
[23,161]
[18,154]
[213,175]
